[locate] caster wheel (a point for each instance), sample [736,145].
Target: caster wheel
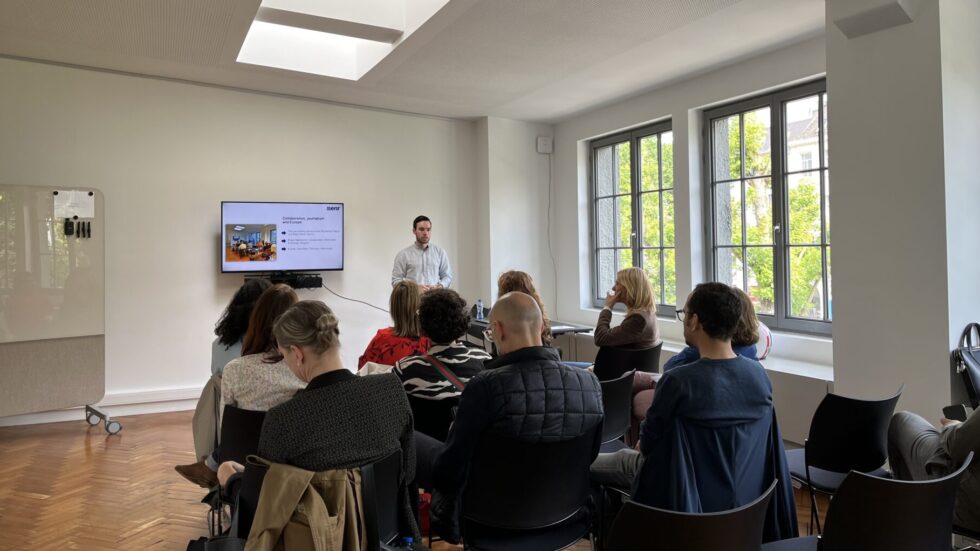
[113,427]
[92,419]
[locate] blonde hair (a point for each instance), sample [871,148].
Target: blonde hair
[638,293]
[309,323]
[516,280]
[404,306]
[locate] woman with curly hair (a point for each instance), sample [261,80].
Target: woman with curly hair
[444,319]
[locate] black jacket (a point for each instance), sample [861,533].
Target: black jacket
[527,394]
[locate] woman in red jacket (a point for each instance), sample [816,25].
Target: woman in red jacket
[394,343]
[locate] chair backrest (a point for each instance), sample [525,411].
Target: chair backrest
[850,434]
[617,406]
[248,498]
[520,485]
[612,362]
[639,527]
[381,484]
[240,430]
[878,514]
[433,417]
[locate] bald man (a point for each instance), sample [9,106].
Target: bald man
[498,400]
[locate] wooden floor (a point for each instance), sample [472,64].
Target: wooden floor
[71,486]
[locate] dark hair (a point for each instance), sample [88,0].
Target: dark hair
[233,324]
[718,308]
[273,302]
[419,218]
[443,316]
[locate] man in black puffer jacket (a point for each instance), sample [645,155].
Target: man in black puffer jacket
[526,393]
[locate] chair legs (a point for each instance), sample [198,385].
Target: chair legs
[814,512]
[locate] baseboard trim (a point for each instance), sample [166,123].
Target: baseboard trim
[117,404]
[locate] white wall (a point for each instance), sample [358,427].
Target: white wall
[681,102]
[888,211]
[960,54]
[165,154]
[518,204]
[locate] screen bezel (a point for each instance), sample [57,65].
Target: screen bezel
[343,241]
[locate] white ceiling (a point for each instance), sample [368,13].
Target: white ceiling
[541,60]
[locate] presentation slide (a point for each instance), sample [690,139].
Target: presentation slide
[272,237]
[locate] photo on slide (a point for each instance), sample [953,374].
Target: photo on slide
[250,242]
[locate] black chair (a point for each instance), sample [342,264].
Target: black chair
[612,363]
[245,491]
[878,514]
[846,434]
[381,484]
[617,405]
[433,417]
[531,496]
[639,527]
[240,430]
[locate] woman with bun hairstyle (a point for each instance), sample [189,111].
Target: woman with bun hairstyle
[340,421]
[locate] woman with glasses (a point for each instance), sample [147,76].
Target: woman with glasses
[639,328]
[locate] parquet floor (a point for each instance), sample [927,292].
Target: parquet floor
[70,486]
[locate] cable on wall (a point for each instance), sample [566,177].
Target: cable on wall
[354,300]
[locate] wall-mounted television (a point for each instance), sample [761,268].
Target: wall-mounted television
[281,237]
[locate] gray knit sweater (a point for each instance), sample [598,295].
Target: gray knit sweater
[341,421]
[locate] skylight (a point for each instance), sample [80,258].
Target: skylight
[335,38]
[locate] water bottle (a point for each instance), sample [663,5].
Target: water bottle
[479,309]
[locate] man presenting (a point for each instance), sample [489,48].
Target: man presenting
[422,262]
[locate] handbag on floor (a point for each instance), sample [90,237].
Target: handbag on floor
[966,360]
[217,543]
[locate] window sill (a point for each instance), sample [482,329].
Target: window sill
[780,365]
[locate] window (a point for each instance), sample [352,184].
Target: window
[633,211]
[768,207]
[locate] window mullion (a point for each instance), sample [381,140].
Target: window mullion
[779,201]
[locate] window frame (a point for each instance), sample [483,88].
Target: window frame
[633,137]
[776,101]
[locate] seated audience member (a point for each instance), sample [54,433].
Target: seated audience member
[230,329]
[710,441]
[525,393]
[639,328]
[233,324]
[403,339]
[521,282]
[444,320]
[256,381]
[340,421]
[743,341]
[917,451]
[260,379]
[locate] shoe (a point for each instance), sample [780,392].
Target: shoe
[199,474]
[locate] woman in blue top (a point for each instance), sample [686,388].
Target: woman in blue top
[743,342]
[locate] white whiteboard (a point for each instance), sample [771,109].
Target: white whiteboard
[52,286]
